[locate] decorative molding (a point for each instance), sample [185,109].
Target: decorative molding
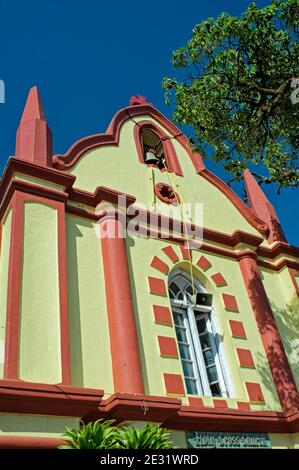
[237,329]
[245,358]
[157,286]
[158,264]
[203,263]
[169,251]
[162,315]
[174,384]
[168,347]
[255,393]
[230,303]
[219,280]
[18,396]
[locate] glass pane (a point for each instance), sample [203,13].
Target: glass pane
[175,289]
[208,356]
[201,325]
[212,374]
[184,351]
[215,390]
[178,319]
[191,387]
[188,369]
[181,335]
[204,341]
[180,296]
[171,294]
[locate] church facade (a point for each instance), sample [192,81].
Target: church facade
[117,302]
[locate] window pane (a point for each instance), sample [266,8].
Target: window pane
[201,325]
[208,356]
[175,289]
[204,341]
[212,374]
[184,351]
[181,335]
[188,369]
[178,319]
[191,387]
[215,390]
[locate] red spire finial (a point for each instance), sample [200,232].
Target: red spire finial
[138,99]
[34,138]
[262,207]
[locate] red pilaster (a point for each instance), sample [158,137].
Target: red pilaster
[14,289]
[127,373]
[34,138]
[278,362]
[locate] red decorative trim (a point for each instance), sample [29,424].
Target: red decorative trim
[158,264]
[126,365]
[111,136]
[58,400]
[157,286]
[168,347]
[294,273]
[11,366]
[243,405]
[174,384]
[162,315]
[219,280]
[166,194]
[277,359]
[24,442]
[169,251]
[101,194]
[185,253]
[169,151]
[220,404]
[278,249]
[15,165]
[203,263]
[195,402]
[245,358]
[230,303]
[17,396]
[237,329]
[255,393]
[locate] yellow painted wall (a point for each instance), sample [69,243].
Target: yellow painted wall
[35,425]
[89,335]
[39,353]
[4,259]
[119,168]
[285,307]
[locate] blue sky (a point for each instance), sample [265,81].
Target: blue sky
[88,57]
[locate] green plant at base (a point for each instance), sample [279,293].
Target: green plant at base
[95,435]
[152,436]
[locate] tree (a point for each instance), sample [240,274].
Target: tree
[103,435]
[236,89]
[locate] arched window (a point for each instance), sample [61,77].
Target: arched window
[152,140]
[153,150]
[198,340]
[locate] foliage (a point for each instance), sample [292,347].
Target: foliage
[102,435]
[150,437]
[94,435]
[236,88]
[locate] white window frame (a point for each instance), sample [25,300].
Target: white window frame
[200,371]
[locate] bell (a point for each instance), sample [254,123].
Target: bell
[201,299]
[150,157]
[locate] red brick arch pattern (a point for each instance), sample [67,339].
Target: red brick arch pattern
[174,383]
